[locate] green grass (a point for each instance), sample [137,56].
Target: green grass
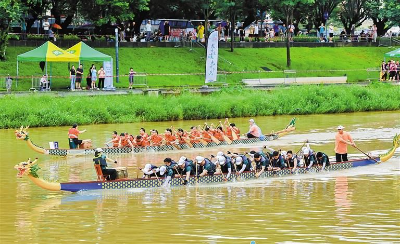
[158,61]
[49,110]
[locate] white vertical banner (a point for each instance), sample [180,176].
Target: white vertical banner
[212,58]
[108,81]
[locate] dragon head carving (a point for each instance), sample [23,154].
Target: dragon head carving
[22,133]
[27,168]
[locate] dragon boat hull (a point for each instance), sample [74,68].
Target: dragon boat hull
[124,150]
[22,134]
[153,183]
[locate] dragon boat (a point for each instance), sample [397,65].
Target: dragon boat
[22,134]
[30,169]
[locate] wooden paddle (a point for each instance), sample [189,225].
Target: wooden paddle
[159,182]
[364,153]
[180,176]
[215,140]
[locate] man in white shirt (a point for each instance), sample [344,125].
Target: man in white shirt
[257,39]
[46,27]
[148,31]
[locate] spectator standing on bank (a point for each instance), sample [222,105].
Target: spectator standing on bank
[392,70]
[8,83]
[227,30]
[398,71]
[330,32]
[46,28]
[200,32]
[256,32]
[94,77]
[374,33]
[102,77]
[321,32]
[72,76]
[131,77]
[148,31]
[291,31]
[167,30]
[251,32]
[282,32]
[78,80]
[383,75]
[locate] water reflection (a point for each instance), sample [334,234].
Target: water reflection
[343,201]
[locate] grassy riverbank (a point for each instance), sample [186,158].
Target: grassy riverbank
[48,110]
[351,61]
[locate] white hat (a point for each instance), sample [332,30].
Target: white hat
[306,151]
[181,160]
[221,160]
[162,170]
[220,153]
[238,160]
[147,167]
[340,127]
[98,150]
[199,159]
[251,120]
[283,153]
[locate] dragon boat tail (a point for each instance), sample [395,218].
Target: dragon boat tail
[22,134]
[30,169]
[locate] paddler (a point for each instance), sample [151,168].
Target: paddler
[195,135]
[225,165]
[169,137]
[206,166]
[262,163]
[242,163]
[149,170]
[276,162]
[186,167]
[323,159]
[155,139]
[342,139]
[114,140]
[292,160]
[170,165]
[101,159]
[308,156]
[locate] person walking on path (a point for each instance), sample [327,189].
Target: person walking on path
[72,76]
[342,139]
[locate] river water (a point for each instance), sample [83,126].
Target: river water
[355,205]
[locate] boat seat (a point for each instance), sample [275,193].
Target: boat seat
[71,143]
[99,172]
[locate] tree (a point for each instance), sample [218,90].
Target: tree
[384,14]
[34,8]
[285,9]
[10,10]
[321,7]
[67,8]
[352,12]
[104,12]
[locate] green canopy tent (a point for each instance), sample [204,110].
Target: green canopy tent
[48,52]
[393,54]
